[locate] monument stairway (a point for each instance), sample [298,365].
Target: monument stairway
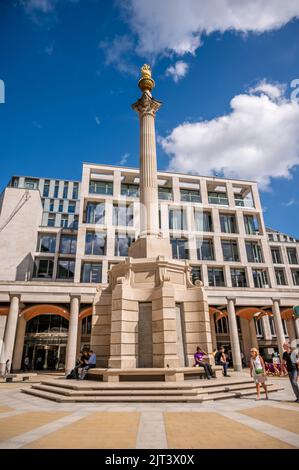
[195,391]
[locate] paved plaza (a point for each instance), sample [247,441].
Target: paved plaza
[35,423]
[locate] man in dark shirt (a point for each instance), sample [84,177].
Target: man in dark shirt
[220,360]
[292,369]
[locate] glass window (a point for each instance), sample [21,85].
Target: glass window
[196,273]
[74,223]
[75,190]
[46,188]
[165,193]
[177,219]
[272,325]
[56,189]
[270,237]
[47,243]
[251,224]
[244,201]
[72,207]
[179,248]
[254,252]
[205,249]
[66,269]
[130,190]
[95,243]
[86,325]
[190,195]
[51,206]
[295,277]
[258,327]
[64,223]
[123,215]
[43,268]
[95,213]
[122,244]
[101,187]
[51,220]
[68,244]
[238,277]
[221,325]
[217,198]
[65,190]
[14,182]
[60,206]
[276,255]
[260,278]
[292,255]
[230,250]
[216,277]
[91,272]
[280,277]
[228,223]
[203,221]
[31,183]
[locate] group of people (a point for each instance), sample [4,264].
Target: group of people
[258,369]
[87,360]
[220,360]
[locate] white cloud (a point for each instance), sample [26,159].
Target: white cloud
[117,53]
[39,6]
[97,120]
[177,25]
[258,140]
[124,158]
[178,70]
[49,49]
[274,91]
[290,202]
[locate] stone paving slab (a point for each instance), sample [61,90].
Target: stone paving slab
[211,430]
[24,422]
[282,418]
[97,431]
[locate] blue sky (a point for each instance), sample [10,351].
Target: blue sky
[70,70]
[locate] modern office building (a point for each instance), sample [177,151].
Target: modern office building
[58,240]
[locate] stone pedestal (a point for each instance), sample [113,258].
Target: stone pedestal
[164,285]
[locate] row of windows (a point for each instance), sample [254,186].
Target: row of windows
[47,244]
[34,183]
[71,206]
[66,221]
[123,215]
[165,193]
[222,326]
[92,272]
[277,256]
[239,277]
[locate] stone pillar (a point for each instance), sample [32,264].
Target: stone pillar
[291,329]
[234,336]
[253,337]
[296,325]
[278,326]
[19,345]
[10,331]
[147,107]
[71,349]
[213,332]
[79,338]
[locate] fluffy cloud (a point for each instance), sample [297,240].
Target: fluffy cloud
[258,140]
[117,53]
[39,6]
[178,70]
[177,25]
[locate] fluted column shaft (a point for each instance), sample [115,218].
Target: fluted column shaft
[72,335]
[234,335]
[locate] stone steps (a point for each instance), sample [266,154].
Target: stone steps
[155,393]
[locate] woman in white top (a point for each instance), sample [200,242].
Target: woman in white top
[257,372]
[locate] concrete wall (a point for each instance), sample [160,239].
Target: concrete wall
[20,218]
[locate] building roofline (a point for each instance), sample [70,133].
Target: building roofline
[169,172]
[44,178]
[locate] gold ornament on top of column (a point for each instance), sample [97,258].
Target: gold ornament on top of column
[146,83]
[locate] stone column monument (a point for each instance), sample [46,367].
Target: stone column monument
[151,314]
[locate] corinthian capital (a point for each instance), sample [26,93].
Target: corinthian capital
[146,104]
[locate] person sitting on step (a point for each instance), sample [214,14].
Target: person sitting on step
[198,362]
[220,360]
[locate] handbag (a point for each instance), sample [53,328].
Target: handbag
[259,371]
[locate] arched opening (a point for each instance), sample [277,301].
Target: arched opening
[84,333]
[45,339]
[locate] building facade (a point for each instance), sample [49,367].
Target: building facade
[59,239]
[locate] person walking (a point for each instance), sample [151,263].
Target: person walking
[220,360]
[292,368]
[258,372]
[198,362]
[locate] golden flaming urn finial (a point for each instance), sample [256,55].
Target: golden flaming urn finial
[146,83]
